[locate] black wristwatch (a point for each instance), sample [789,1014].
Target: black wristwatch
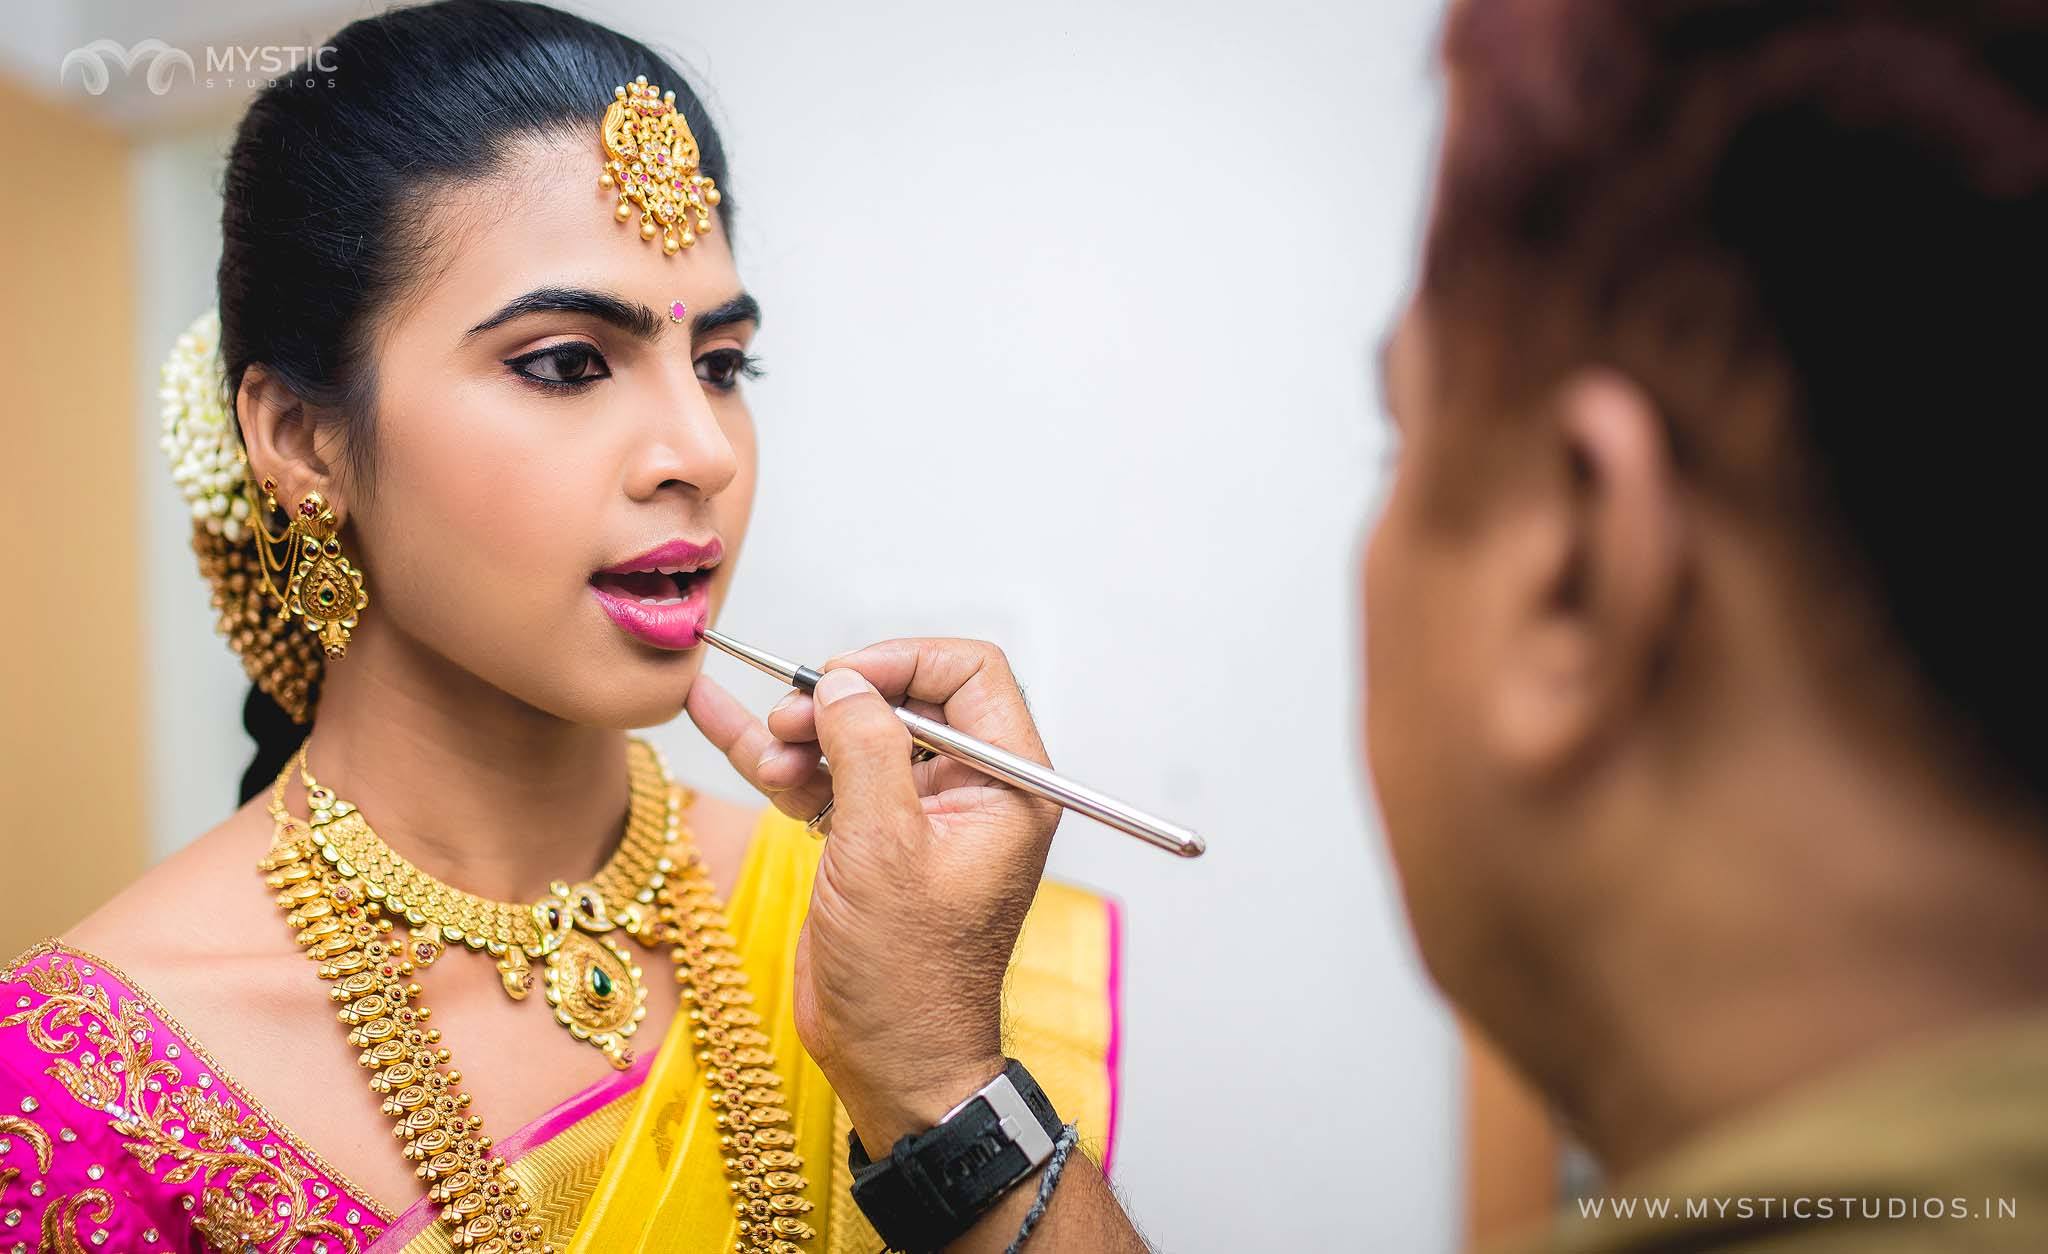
[935,1184]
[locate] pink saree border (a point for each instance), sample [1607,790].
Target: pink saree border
[419,1216]
[1113,1053]
[575,1108]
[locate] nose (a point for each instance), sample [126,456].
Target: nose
[680,441]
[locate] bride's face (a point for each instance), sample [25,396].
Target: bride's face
[543,419]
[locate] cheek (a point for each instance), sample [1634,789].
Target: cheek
[735,504]
[524,516]
[732,509]
[483,526]
[1409,710]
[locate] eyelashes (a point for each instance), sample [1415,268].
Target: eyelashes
[723,369]
[560,366]
[574,366]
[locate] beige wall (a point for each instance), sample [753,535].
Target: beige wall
[70,625]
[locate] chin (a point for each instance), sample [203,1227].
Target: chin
[652,692]
[623,690]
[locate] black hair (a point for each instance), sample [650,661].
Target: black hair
[1846,198]
[323,221]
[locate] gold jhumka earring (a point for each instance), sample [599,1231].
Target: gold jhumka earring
[321,588]
[265,566]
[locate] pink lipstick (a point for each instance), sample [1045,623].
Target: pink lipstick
[662,596]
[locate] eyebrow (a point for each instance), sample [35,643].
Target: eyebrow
[630,316]
[741,308]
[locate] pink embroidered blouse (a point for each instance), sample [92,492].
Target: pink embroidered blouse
[118,1133]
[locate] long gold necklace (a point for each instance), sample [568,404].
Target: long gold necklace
[343,889]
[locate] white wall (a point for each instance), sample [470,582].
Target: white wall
[1069,309]
[194,739]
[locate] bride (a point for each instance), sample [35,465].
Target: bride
[471,463]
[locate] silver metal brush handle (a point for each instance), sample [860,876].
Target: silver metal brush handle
[1001,763]
[1040,782]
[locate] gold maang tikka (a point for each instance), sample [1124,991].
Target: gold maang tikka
[322,588]
[651,161]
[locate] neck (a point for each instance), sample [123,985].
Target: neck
[1788,932]
[471,785]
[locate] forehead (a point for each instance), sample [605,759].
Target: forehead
[540,218]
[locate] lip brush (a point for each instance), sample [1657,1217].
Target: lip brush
[988,759]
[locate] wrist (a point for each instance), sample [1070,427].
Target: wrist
[938,1184]
[911,1097]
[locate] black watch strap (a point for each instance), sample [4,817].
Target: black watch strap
[934,1185]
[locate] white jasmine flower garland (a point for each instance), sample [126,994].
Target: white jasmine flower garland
[200,437]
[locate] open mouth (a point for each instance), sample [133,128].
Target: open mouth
[667,585]
[662,597]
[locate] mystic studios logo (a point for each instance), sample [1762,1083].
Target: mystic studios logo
[232,65]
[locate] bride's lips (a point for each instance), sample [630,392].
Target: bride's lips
[662,596]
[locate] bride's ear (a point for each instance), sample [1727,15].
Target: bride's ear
[282,440]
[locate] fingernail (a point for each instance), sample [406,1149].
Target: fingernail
[843,682]
[785,703]
[768,755]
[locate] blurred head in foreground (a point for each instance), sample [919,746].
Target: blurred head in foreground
[1703,643]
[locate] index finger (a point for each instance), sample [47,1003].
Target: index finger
[969,680]
[782,771]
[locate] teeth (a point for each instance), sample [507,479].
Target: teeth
[661,600]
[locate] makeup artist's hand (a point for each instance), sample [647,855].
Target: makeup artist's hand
[924,882]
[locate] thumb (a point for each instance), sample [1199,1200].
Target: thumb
[869,749]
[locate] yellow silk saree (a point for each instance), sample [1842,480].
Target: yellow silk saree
[634,1164]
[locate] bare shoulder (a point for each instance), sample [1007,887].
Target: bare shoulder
[202,934]
[200,931]
[204,912]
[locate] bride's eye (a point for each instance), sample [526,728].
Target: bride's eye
[571,365]
[722,370]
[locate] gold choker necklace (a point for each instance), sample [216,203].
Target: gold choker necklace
[592,982]
[342,890]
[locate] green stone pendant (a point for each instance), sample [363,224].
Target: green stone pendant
[592,982]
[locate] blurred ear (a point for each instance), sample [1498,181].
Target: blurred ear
[281,437]
[1597,565]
